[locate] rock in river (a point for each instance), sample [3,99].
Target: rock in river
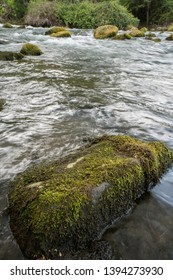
[10,56]
[30,49]
[105,31]
[63,206]
[58,31]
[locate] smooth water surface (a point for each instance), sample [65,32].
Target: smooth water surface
[78,89]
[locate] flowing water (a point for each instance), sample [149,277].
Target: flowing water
[78,89]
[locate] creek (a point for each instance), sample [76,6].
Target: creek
[78,89]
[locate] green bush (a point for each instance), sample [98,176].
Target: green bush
[78,14]
[91,15]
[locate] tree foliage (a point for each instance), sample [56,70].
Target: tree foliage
[151,11]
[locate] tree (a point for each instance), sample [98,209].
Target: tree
[148,11]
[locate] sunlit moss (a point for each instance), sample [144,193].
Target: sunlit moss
[66,204]
[144,29]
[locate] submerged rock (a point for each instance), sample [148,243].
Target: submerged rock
[170,37]
[105,31]
[30,49]
[62,207]
[152,37]
[2,102]
[10,56]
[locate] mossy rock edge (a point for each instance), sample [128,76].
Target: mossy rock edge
[63,206]
[10,56]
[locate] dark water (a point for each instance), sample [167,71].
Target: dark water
[80,88]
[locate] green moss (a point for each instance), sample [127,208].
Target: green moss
[61,34]
[105,31]
[7,25]
[30,49]
[10,56]
[64,205]
[55,29]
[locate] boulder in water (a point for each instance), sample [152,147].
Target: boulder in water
[63,206]
[55,29]
[135,32]
[61,34]
[7,25]
[105,31]
[10,56]
[30,49]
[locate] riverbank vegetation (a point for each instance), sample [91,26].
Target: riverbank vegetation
[87,13]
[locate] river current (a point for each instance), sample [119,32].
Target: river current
[78,89]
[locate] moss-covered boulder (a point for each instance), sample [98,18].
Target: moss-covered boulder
[170,37]
[170,27]
[55,29]
[2,102]
[7,25]
[123,36]
[61,34]
[135,32]
[64,206]
[30,49]
[144,29]
[10,56]
[105,31]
